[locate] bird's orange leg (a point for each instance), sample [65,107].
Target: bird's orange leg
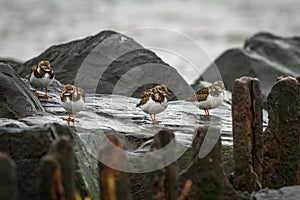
[46,96]
[155,121]
[206,112]
[152,120]
[69,119]
[73,120]
[37,93]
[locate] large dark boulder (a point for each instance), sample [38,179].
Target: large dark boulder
[108,63]
[27,145]
[264,56]
[16,99]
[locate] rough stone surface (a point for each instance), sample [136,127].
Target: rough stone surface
[281,138]
[247,133]
[26,146]
[263,56]
[98,63]
[16,100]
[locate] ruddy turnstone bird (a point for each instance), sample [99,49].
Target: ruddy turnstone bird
[41,76]
[72,100]
[209,97]
[154,101]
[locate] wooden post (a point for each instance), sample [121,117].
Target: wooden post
[247,133]
[8,178]
[162,184]
[51,187]
[114,184]
[282,136]
[206,174]
[62,150]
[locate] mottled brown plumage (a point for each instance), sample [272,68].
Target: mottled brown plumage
[209,97]
[201,95]
[72,100]
[145,97]
[42,68]
[72,92]
[41,76]
[154,101]
[157,94]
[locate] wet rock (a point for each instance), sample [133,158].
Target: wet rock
[109,63]
[281,138]
[27,146]
[8,180]
[16,100]
[264,56]
[285,193]
[102,114]
[247,133]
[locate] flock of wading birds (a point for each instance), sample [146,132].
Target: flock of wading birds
[153,101]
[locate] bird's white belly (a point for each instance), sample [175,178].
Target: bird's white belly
[211,102]
[152,107]
[40,82]
[73,107]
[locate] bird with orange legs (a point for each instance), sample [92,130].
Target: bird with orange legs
[72,100]
[41,76]
[210,97]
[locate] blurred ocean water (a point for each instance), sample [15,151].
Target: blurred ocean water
[188,34]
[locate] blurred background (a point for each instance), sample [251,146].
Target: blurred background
[28,27]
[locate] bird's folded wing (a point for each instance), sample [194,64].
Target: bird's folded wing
[33,68]
[143,101]
[201,95]
[82,93]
